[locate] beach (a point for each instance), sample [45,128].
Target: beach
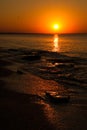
[25,76]
[18,112]
[43,65]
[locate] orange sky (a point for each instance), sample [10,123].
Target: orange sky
[37,16]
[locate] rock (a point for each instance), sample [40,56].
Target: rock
[57,98]
[32,57]
[20,72]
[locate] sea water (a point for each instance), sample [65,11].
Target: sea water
[72,45]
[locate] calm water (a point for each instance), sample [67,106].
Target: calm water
[72,45]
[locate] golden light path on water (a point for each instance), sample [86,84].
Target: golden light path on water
[56,43]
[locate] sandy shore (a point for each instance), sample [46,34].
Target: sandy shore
[18,110]
[21,106]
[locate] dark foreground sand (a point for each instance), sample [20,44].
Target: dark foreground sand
[24,110]
[17,112]
[20,111]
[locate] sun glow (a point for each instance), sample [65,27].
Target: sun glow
[56,26]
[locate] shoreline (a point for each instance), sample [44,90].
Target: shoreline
[22,81]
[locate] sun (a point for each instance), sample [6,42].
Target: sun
[56,26]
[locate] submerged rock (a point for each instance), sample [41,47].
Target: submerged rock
[32,57]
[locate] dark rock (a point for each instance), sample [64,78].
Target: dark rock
[31,57]
[65,66]
[20,72]
[56,98]
[14,50]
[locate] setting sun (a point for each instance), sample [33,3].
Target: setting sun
[56,26]
[43,16]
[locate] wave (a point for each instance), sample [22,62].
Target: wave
[66,70]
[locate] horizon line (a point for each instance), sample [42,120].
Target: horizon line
[42,33]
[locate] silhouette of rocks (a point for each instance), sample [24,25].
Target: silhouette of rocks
[32,57]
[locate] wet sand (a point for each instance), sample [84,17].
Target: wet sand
[22,103]
[18,112]
[17,109]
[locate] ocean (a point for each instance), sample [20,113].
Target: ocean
[72,45]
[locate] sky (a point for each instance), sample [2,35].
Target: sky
[39,16]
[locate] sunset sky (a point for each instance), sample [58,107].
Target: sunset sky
[40,16]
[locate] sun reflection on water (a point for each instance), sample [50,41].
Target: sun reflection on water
[56,43]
